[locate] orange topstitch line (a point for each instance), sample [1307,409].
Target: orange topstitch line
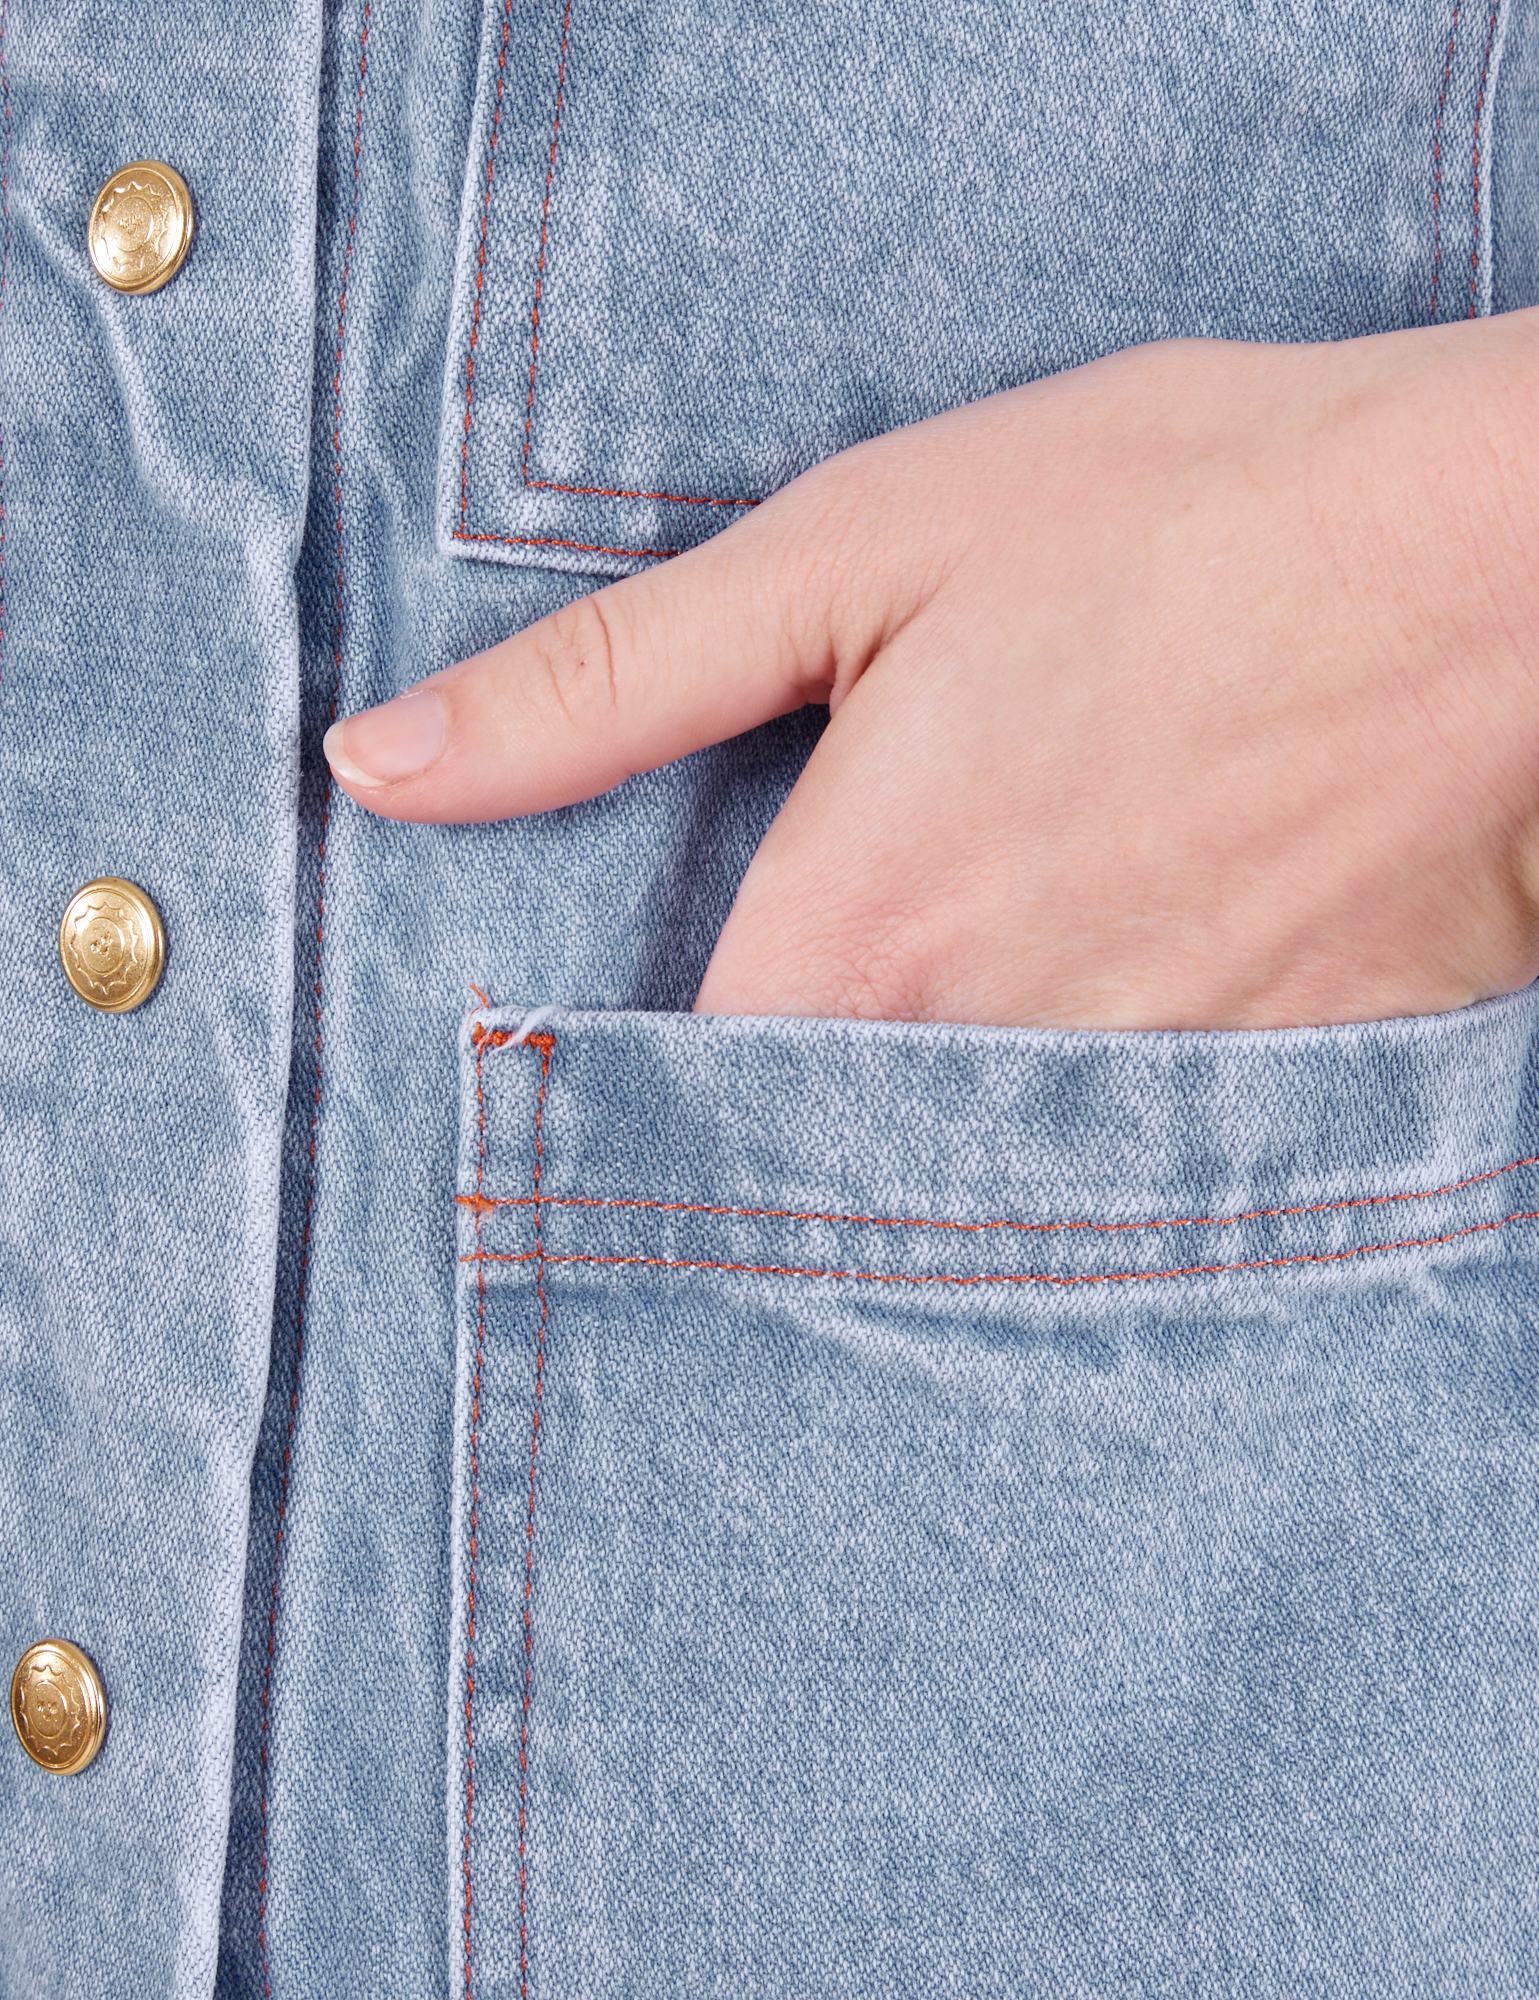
[475,1515]
[484,1204]
[554,542]
[481,1204]
[546,1257]
[482,1040]
[545,1043]
[543,485]
[475,320]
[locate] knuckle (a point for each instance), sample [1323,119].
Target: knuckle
[576,657]
[877,967]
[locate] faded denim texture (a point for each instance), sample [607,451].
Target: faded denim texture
[154,466]
[959,1511]
[757,234]
[1171,1636]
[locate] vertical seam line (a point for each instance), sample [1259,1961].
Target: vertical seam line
[539,269]
[320,925]
[546,1045]
[486,208]
[475,1498]
[1437,165]
[1480,102]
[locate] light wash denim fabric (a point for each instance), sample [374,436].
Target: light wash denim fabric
[948,1511]
[1150,1635]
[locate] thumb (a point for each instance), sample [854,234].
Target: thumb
[730,635]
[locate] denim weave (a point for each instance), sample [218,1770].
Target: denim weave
[1166,1636]
[998,1513]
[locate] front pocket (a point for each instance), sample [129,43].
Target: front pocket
[707,245]
[954,1511]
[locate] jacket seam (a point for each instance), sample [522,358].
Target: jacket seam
[1480,103]
[320,926]
[544,1045]
[530,484]
[1062,1279]
[482,1203]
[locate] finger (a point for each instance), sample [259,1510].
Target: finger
[756,622]
[861,899]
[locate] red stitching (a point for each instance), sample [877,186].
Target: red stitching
[541,485]
[475,1501]
[617,493]
[1480,99]
[546,1045]
[482,1040]
[550,542]
[475,322]
[320,914]
[1006,1277]
[483,1204]
[1437,164]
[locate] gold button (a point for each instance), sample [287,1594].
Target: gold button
[140,227]
[58,1706]
[112,944]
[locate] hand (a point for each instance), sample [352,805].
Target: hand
[1195,688]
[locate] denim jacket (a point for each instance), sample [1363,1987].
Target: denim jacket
[567,1497]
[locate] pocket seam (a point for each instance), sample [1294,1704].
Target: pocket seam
[481,1205]
[545,1044]
[1438,177]
[462,533]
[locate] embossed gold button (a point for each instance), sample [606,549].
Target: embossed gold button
[58,1706]
[112,945]
[140,228]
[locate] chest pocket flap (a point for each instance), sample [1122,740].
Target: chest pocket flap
[707,243]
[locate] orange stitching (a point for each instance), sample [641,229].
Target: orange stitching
[475,322]
[1010,1277]
[542,485]
[483,1204]
[539,269]
[320,915]
[546,1045]
[475,1502]
[542,1258]
[550,485]
[619,493]
[552,542]
[482,1039]
[1480,99]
